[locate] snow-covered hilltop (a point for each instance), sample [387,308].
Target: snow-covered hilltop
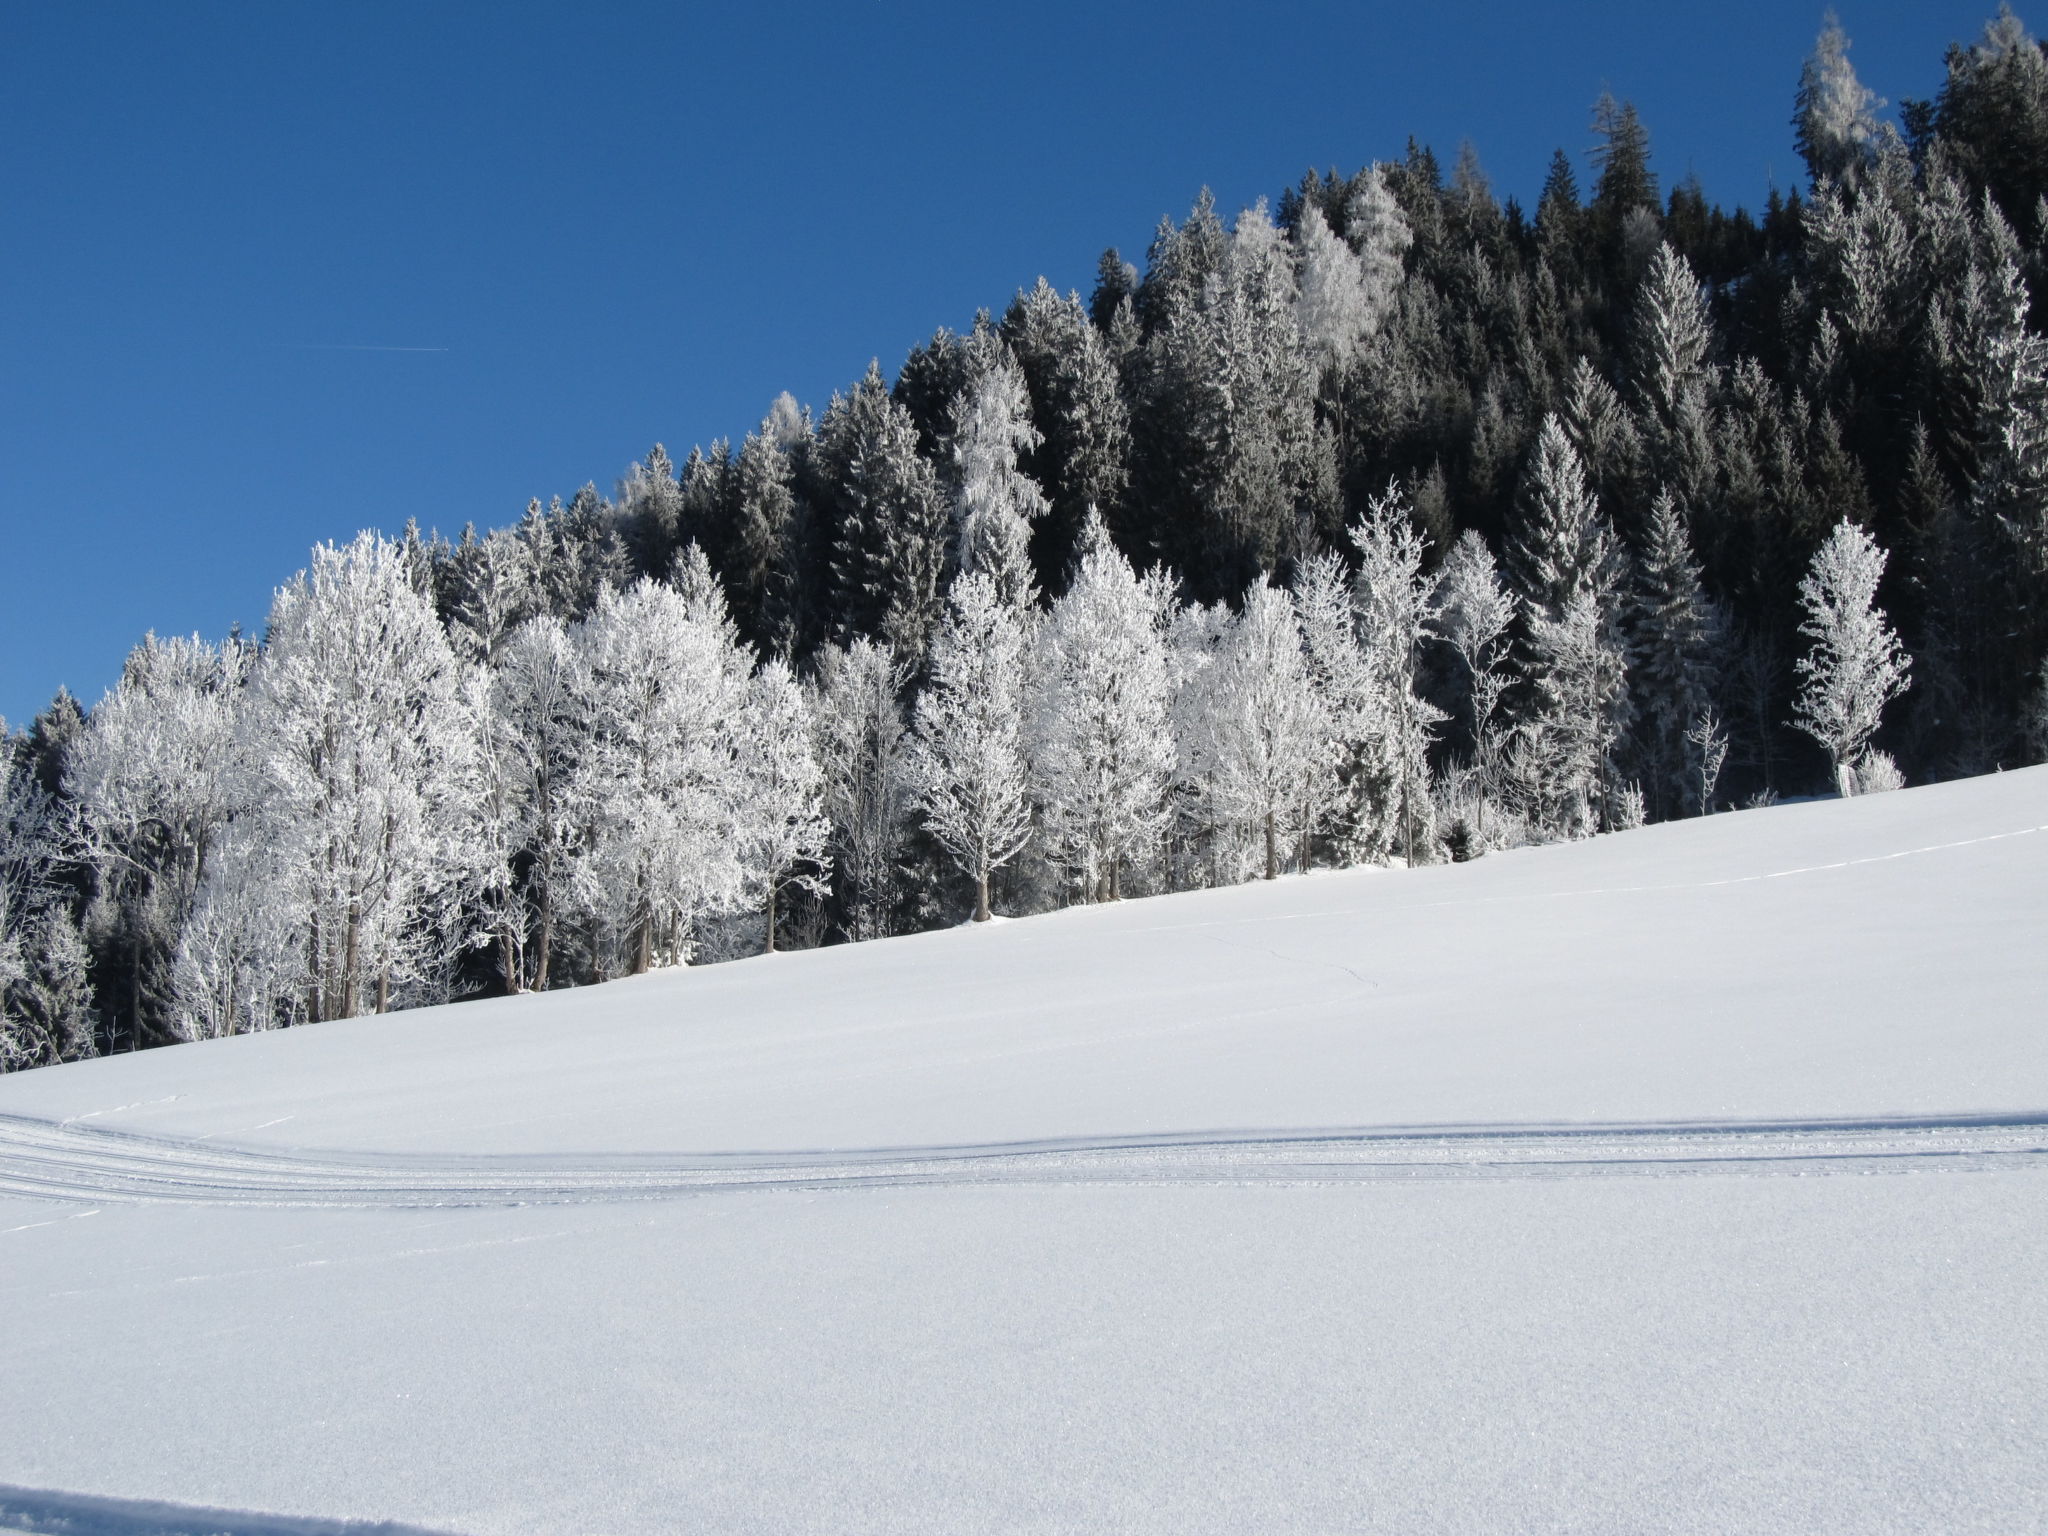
[1438,1200]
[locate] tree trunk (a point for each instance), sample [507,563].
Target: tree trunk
[981,910]
[1272,847]
[771,918]
[547,938]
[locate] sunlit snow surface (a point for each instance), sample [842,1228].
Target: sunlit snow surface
[1684,1180]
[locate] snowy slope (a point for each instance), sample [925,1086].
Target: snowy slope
[1090,1221]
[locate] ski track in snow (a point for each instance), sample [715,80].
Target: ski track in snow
[46,1160]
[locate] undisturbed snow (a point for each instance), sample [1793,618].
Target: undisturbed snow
[1796,1354]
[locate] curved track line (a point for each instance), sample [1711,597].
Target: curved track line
[71,1163]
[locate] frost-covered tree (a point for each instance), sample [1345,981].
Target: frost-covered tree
[1855,665]
[357,757]
[1567,568]
[1670,369]
[45,1004]
[1082,458]
[1378,231]
[664,691]
[888,552]
[860,741]
[1394,620]
[536,701]
[1834,119]
[1104,750]
[490,588]
[996,503]
[153,776]
[1474,613]
[1267,741]
[783,827]
[966,757]
[1561,546]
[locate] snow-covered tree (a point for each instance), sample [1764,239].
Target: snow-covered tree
[966,757]
[536,702]
[1561,546]
[1855,665]
[357,756]
[1082,459]
[1104,751]
[861,746]
[45,1007]
[1670,342]
[153,777]
[783,827]
[1335,306]
[997,503]
[491,588]
[1474,612]
[664,683]
[1394,620]
[1834,120]
[1568,569]
[1561,755]
[888,552]
[1267,740]
[1379,232]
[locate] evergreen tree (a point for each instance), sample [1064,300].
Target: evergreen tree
[889,539]
[1674,631]
[1834,118]
[1855,666]
[996,502]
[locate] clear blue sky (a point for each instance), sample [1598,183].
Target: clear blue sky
[271,273]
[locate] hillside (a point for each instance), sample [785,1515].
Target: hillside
[1474,1197]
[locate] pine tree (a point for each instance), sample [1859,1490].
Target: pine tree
[1674,630]
[1669,342]
[1561,547]
[889,540]
[765,494]
[1855,665]
[1082,458]
[1834,120]
[491,589]
[996,503]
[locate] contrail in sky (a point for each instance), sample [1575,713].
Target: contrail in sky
[328,346]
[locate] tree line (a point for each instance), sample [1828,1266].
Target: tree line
[1391,523]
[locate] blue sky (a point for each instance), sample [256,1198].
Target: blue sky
[273,273]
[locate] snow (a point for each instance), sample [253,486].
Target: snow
[1109,1286]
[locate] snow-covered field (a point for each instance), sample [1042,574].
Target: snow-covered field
[1686,1180]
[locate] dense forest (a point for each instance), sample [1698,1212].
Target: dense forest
[1391,523]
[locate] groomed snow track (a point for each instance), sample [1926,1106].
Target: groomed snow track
[70,1163]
